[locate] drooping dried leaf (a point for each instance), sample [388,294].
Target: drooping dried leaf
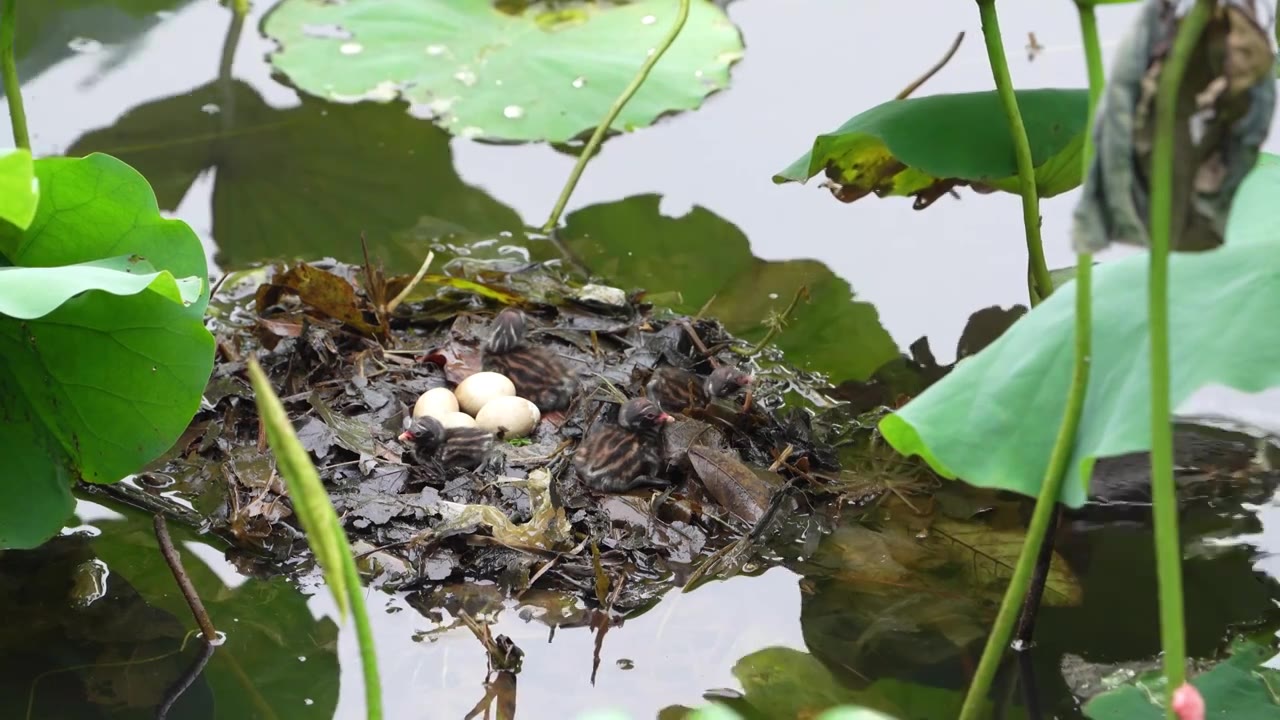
[320,290]
[1224,109]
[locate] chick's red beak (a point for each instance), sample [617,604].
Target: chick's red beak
[665,418]
[405,436]
[747,379]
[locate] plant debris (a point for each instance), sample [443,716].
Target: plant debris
[526,518]
[754,481]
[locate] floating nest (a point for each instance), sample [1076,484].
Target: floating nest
[753,482]
[748,478]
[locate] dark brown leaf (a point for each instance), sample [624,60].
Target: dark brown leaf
[319,289]
[734,485]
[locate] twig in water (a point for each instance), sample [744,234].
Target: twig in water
[170,554]
[915,84]
[179,687]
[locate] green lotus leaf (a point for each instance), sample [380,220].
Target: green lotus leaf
[29,293]
[105,351]
[992,421]
[19,191]
[535,74]
[1241,688]
[925,146]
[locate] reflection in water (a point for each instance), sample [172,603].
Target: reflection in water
[125,652]
[80,648]
[53,30]
[895,605]
[306,181]
[700,261]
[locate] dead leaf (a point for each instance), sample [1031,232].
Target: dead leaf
[320,290]
[734,485]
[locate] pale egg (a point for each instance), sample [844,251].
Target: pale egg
[476,391]
[514,417]
[456,420]
[436,403]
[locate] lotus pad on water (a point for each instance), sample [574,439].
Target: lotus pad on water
[539,74]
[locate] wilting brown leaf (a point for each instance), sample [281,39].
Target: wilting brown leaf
[320,290]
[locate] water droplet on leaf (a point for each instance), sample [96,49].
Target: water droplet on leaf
[648,20]
[434,50]
[579,81]
[84,45]
[325,32]
[513,111]
[465,76]
[351,48]
[210,109]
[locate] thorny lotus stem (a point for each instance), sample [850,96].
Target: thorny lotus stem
[598,136]
[9,73]
[1040,284]
[1064,444]
[1163,497]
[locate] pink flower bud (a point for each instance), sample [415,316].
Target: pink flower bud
[1187,703]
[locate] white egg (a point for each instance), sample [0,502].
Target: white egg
[456,419]
[514,416]
[436,402]
[476,391]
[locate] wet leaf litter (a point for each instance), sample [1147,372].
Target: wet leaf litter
[423,501]
[745,475]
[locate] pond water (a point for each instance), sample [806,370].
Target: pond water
[686,209]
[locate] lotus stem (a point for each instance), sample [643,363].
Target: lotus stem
[598,136]
[1064,444]
[1040,285]
[9,73]
[1164,499]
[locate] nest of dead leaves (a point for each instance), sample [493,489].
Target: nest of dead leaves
[349,351]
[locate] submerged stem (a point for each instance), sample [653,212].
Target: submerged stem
[1040,283]
[598,136]
[1064,443]
[9,73]
[1163,497]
